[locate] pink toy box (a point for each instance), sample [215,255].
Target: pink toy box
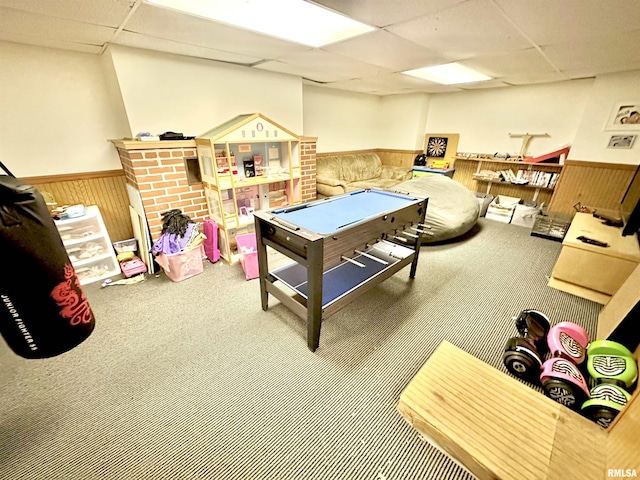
[248,251]
[183,265]
[133,266]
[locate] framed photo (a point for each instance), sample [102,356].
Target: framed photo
[244,147]
[625,116]
[621,141]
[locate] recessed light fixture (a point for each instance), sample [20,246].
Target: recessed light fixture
[294,20]
[448,74]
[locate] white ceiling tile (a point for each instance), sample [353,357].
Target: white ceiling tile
[151,43]
[49,43]
[466,30]
[386,50]
[316,75]
[317,59]
[163,23]
[532,78]
[577,38]
[589,72]
[528,61]
[597,52]
[391,84]
[36,25]
[481,85]
[380,13]
[98,12]
[559,21]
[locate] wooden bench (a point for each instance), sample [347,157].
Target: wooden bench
[500,428]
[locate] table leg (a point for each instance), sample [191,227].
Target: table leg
[418,245]
[314,298]
[263,267]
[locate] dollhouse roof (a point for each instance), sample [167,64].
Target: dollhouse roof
[247,128]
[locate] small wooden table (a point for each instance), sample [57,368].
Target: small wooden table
[590,271]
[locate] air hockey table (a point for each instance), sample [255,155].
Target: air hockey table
[341,247]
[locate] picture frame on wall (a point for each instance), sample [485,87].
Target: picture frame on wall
[621,141]
[624,116]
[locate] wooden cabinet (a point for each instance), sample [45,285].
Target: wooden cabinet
[591,271]
[247,164]
[89,247]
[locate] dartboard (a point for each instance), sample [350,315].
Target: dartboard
[437,146]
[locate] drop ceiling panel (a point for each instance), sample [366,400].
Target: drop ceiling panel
[363,86]
[163,23]
[466,30]
[98,12]
[532,78]
[581,38]
[387,50]
[598,52]
[524,62]
[320,76]
[391,84]
[483,85]
[56,29]
[380,13]
[317,59]
[587,72]
[49,43]
[151,43]
[553,21]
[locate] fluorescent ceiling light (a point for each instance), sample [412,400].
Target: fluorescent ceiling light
[448,74]
[293,20]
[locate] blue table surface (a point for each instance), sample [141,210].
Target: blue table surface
[331,215]
[431,169]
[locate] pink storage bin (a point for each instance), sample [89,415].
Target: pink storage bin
[211,249]
[248,251]
[183,265]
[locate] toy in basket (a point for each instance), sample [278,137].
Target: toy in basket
[179,250]
[130,264]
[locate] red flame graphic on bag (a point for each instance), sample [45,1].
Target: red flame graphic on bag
[71,299]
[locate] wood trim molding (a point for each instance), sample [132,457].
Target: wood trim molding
[610,166]
[370,150]
[129,144]
[72,177]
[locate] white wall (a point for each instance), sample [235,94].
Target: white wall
[484,118]
[58,109]
[404,119]
[55,112]
[163,92]
[572,113]
[341,120]
[593,136]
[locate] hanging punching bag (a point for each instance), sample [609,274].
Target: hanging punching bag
[43,310]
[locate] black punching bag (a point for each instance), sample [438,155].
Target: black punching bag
[43,310]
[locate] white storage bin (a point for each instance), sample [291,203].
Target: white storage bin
[501,208]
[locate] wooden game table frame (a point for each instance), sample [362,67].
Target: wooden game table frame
[330,269]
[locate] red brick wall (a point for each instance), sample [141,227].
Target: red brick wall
[308,169]
[159,174]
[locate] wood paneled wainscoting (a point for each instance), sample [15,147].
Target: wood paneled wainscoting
[106,189]
[594,184]
[597,185]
